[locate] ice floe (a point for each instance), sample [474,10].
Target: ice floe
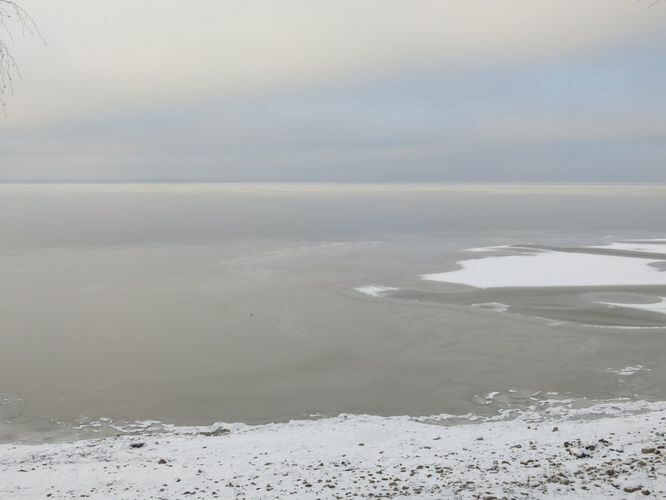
[488,249]
[492,306]
[645,246]
[375,290]
[657,307]
[628,371]
[550,268]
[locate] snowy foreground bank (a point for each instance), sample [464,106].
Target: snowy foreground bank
[611,450]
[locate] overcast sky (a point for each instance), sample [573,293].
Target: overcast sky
[344,90]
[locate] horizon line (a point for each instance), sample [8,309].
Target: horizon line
[213,181]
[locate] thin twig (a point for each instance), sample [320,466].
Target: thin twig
[12,15]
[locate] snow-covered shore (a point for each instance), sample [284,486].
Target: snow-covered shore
[610,450]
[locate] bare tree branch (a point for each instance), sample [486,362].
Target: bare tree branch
[13,18]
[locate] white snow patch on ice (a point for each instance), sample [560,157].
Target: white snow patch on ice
[488,249]
[623,327]
[553,268]
[492,306]
[657,307]
[375,290]
[627,371]
[486,399]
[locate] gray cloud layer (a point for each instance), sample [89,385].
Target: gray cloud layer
[365,90]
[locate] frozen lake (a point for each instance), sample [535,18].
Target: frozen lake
[193,304]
